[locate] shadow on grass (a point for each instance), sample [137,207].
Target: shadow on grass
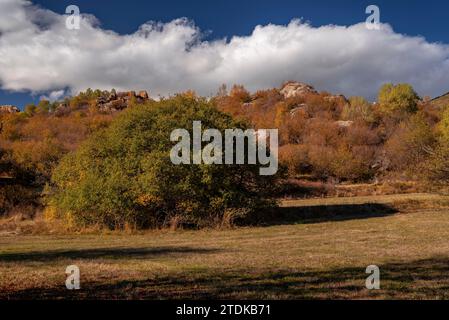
[422,279]
[107,253]
[324,213]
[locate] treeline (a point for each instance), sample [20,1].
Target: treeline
[322,136]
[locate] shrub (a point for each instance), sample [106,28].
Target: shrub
[436,169]
[358,109]
[409,146]
[443,125]
[123,175]
[295,158]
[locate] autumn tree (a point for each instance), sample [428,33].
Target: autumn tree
[240,93]
[397,99]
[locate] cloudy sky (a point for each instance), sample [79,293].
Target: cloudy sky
[174,47]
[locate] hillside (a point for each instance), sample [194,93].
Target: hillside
[441,101]
[326,137]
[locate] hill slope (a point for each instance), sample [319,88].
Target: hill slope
[441,101]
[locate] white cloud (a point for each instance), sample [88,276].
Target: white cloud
[39,54]
[53,96]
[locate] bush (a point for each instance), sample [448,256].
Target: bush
[123,175]
[409,146]
[358,109]
[295,158]
[443,125]
[18,199]
[436,169]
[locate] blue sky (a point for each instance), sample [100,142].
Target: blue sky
[227,18]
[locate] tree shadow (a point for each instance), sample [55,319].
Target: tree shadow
[420,279]
[324,213]
[107,253]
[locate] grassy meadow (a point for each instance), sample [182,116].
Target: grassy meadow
[316,251]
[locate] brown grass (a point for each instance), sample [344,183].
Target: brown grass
[322,258]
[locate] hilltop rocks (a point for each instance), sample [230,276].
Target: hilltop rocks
[107,102]
[296,89]
[121,100]
[143,95]
[9,109]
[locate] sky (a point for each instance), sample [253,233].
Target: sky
[171,46]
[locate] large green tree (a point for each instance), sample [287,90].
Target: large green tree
[123,174]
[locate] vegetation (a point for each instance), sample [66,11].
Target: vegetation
[90,170]
[111,168]
[124,175]
[397,99]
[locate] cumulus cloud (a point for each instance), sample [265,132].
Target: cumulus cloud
[53,96]
[38,53]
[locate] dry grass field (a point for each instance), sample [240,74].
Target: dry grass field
[320,250]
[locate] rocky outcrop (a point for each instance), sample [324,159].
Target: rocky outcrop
[344,124]
[120,100]
[9,109]
[301,108]
[296,89]
[143,95]
[293,89]
[109,102]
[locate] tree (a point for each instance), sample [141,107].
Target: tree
[222,91]
[239,93]
[397,99]
[123,175]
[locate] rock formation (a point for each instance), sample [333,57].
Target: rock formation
[110,102]
[344,124]
[9,109]
[296,89]
[121,100]
[300,108]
